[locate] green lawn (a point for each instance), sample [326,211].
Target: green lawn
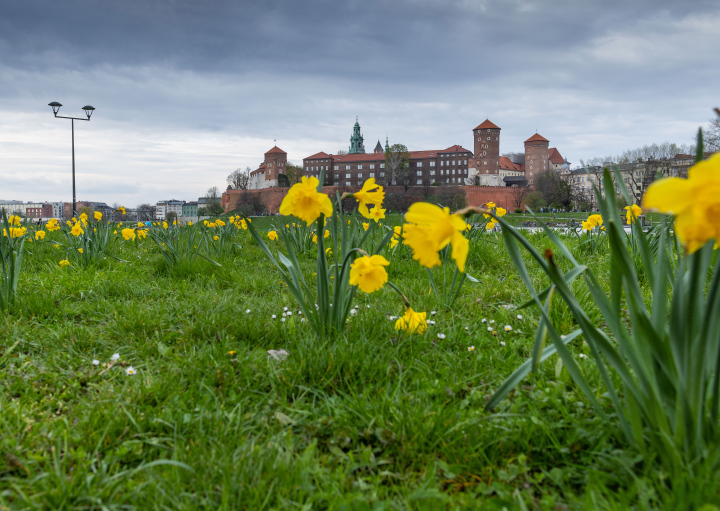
[370,420]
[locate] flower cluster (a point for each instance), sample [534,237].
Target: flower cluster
[592,222]
[633,212]
[370,194]
[498,212]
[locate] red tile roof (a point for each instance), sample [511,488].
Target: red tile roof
[318,156]
[358,157]
[537,137]
[507,164]
[276,149]
[454,149]
[487,125]
[555,157]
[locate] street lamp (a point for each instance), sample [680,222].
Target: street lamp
[88,112]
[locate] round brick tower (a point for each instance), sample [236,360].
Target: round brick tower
[487,148]
[536,156]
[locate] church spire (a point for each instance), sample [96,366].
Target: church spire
[387,146]
[356,140]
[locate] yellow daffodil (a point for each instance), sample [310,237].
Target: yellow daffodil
[368,273]
[413,322]
[39,235]
[326,233]
[128,234]
[430,229]
[468,227]
[377,213]
[64,263]
[189,224]
[370,193]
[314,238]
[231,219]
[397,231]
[694,201]
[14,220]
[490,205]
[121,209]
[500,211]
[98,216]
[76,230]
[80,250]
[490,225]
[140,225]
[633,212]
[15,232]
[393,242]
[365,225]
[287,226]
[220,223]
[242,225]
[165,225]
[305,202]
[273,235]
[141,234]
[215,238]
[52,225]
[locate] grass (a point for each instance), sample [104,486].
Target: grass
[370,420]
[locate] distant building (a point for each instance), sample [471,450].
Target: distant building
[174,206]
[32,209]
[190,209]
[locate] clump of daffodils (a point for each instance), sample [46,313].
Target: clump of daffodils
[431,228]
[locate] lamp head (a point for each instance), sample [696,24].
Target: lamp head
[55,106]
[88,110]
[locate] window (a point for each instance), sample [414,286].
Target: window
[483,154]
[372,166]
[347,176]
[419,164]
[453,162]
[442,163]
[347,167]
[337,167]
[465,162]
[419,181]
[372,174]
[359,167]
[419,172]
[442,172]
[382,174]
[432,172]
[485,163]
[495,138]
[453,180]
[453,172]
[488,138]
[337,176]
[432,163]
[382,165]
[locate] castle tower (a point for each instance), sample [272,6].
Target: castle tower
[275,162]
[536,156]
[487,148]
[378,148]
[356,141]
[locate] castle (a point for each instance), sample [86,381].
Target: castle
[454,165]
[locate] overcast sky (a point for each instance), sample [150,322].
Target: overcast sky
[187,91]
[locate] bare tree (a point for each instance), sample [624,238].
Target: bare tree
[515,157]
[145,212]
[397,166]
[239,179]
[519,192]
[712,134]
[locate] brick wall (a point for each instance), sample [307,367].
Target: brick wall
[475,195]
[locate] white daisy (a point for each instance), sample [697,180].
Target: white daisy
[116,356]
[130,370]
[519,316]
[508,328]
[285,308]
[484,320]
[274,316]
[289,313]
[433,312]
[441,336]
[502,343]
[247,311]
[471,348]
[96,362]
[583,355]
[282,319]
[489,329]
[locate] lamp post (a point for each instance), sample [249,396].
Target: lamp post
[88,112]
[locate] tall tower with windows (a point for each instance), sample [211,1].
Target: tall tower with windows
[356,141]
[275,162]
[486,138]
[536,156]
